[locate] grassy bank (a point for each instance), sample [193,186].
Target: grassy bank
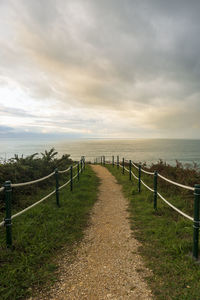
[40,233]
[166,239]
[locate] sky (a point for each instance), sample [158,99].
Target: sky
[108,68]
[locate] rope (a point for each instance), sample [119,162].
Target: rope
[126,169]
[134,175]
[141,181]
[146,172]
[41,200]
[75,176]
[175,208]
[172,206]
[64,171]
[134,165]
[176,183]
[62,186]
[131,173]
[27,208]
[167,202]
[148,187]
[33,181]
[37,180]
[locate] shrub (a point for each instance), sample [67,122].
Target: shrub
[22,169]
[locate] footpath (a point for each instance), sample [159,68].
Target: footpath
[107,263]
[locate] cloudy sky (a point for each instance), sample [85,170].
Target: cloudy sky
[109,68]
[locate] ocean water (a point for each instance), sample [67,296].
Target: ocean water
[138,150]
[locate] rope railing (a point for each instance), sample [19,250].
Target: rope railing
[134,175]
[148,187]
[168,203]
[2,223]
[176,183]
[66,183]
[36,180]
[33,181]
[126,169]
[7,222]
[147,172]
[33,205]
[175,208]
[196,189]
[135,166]
[64,171]
[144,171]
[164,178]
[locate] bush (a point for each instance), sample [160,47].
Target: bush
[22,169]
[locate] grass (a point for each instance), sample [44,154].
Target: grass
[41,233]
[166,239]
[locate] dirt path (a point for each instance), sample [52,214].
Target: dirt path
[107,265]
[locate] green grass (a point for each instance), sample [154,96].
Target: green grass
[166,239]
[41,233]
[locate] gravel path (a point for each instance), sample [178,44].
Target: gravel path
[107,264]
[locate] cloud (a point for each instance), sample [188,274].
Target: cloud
[15,112]
[5,129]
[134,65]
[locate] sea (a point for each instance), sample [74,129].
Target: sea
[138,150]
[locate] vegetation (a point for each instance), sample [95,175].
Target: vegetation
[166,237]
[184,174]
[42,232]
[22,169]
